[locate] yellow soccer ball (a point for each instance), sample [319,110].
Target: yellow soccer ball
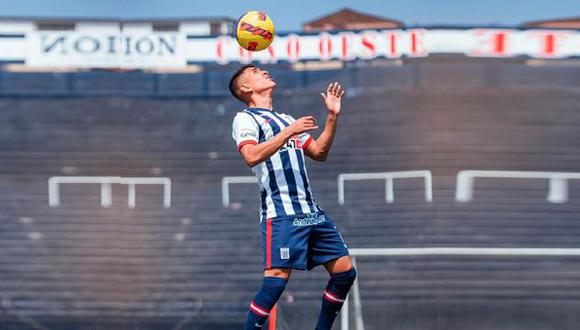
[254,31]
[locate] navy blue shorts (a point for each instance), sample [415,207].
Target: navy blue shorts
[301,241]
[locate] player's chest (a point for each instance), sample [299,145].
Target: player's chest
[293,143]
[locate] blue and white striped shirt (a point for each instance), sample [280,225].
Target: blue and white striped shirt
[283,179]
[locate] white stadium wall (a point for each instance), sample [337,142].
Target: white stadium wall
[145,48]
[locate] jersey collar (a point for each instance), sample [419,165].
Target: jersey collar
[260,109]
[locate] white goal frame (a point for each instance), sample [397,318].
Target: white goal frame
[434,251]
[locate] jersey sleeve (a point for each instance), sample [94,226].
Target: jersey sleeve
[305,138]
[244,130]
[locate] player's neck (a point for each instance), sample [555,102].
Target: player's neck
[261,101]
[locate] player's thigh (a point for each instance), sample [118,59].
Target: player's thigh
[327,246]
[284,245]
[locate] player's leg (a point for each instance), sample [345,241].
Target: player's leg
[284,248]
[329,249]
[273,284]
[342,276]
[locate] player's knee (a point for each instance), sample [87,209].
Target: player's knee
[278,272]
[344,279]
[340,283]
[276,284]
[272,289]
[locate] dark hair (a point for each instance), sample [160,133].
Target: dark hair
[234,79]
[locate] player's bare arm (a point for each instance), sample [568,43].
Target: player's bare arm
[255,154]
[319,148]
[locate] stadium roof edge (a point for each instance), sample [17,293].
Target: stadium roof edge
[555,20]
[349,13]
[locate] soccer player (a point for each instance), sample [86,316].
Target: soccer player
[296,232]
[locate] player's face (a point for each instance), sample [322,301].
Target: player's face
[258,80]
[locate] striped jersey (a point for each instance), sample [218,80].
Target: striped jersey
[282,179]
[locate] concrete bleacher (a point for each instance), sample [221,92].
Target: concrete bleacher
[198,262]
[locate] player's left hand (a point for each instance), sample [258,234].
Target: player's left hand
[333,98]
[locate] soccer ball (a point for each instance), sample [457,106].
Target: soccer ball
[254,31]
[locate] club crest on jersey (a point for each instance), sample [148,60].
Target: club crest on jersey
[284,253]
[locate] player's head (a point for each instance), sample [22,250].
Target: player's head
[250,79]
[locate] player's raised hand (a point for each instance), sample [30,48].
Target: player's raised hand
[333,97]
[303,124]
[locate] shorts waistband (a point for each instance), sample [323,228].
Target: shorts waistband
[298,216]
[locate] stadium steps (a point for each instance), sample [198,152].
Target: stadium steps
[83,260]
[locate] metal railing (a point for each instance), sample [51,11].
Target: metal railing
[557,192]
[227,180]
[106,183]
[389,177]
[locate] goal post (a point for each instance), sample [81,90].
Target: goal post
[433,251]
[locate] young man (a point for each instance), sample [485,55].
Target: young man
[296,233]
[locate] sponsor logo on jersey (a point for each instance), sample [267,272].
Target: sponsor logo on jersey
[293,143]
[245,134]
[309,220]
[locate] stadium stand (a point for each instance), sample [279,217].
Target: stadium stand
[197,263]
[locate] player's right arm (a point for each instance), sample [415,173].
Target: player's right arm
[245,132]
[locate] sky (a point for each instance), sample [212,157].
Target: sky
[289,15]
